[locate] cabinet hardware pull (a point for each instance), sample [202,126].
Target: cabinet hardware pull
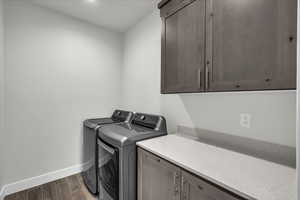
[184,194]
[176,186]
[291,38]
[176,190]
[176,176]
[199,78]
[207,77]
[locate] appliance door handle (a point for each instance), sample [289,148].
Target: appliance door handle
[199,78]
[207,77]
[107,148]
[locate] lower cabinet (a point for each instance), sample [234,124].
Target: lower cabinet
[157,179]
[161,180]
[194,188]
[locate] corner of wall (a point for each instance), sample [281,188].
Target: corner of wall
[1,89]
[298,106]
[99,46]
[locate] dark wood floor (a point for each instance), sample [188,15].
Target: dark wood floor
[70,188]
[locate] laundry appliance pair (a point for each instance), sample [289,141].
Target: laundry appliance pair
[110,152]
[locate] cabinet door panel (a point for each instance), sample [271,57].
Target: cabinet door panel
[252,44]
[194,188]
[184,49]
[157,179]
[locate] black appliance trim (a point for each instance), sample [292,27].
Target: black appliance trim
[117,166]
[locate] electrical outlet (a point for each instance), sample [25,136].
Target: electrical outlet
[245,120]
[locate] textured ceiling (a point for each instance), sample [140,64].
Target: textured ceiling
[118,15]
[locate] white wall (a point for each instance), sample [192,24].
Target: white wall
[59,71]
[1,91]
[273,113]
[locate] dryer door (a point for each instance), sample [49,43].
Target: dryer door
[108,171]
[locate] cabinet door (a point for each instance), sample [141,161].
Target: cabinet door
[157,179]
[183,48]
[194,188]
[251,44]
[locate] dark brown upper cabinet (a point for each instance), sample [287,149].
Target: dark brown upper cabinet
[183,47]
[228,45]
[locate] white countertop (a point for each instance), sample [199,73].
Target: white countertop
[244,175]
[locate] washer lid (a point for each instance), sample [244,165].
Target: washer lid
[142,127]
[117,117]
[94,123]
[124,134]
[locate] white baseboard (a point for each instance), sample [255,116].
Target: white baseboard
[2,193]
[40,180]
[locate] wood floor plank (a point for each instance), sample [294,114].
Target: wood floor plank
[75,188]
[63,189]
[49,191]
[35,194]
[22,195]
[11,197]
[70,188]
[85,192]
[74,183]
